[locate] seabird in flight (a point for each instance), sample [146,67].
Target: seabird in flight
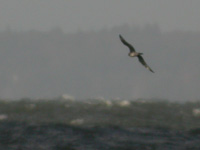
[133,53]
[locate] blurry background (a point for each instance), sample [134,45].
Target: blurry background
[54,47]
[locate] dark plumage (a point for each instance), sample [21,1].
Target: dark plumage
[133,53]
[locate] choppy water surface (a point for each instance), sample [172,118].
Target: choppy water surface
[99,125]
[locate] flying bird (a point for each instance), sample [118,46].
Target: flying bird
[133,53]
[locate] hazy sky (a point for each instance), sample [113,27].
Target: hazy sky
[106,74]
[73,15]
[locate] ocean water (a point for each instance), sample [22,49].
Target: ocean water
[99,125]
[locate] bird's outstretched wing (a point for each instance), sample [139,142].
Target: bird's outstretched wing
[140,58]
[127,44]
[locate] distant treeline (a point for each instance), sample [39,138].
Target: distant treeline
[88,64]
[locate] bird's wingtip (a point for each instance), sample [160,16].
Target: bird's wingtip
[120,36]
[152,71]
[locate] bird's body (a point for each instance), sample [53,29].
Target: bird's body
[133,53]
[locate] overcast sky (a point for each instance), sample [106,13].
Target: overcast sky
[84,73]
[73,15]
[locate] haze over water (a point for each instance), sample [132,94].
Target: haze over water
[50,48]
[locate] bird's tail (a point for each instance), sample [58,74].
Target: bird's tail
[140,53]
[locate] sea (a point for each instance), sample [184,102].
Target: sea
[99,124]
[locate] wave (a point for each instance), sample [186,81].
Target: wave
[101,112]
[18,135]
